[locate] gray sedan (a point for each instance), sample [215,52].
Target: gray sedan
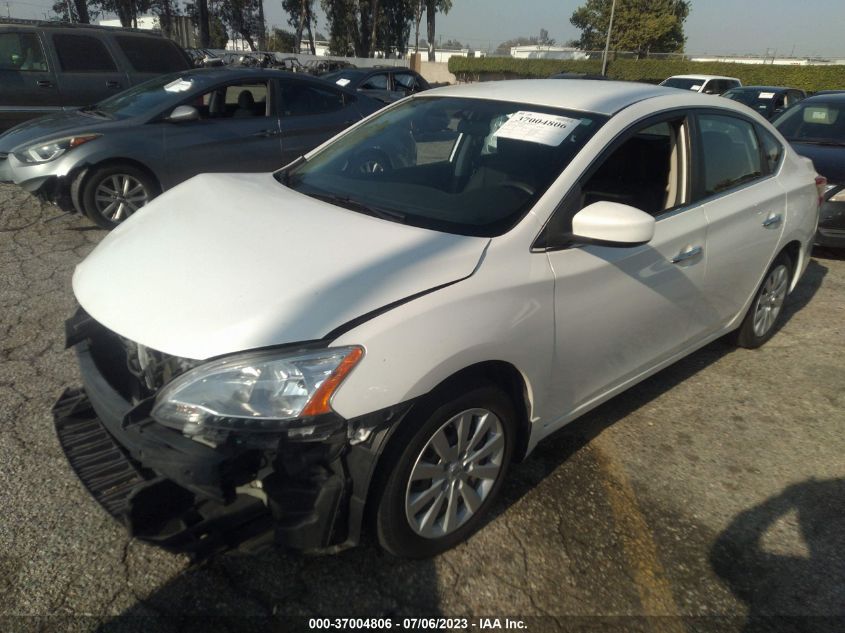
[108,160]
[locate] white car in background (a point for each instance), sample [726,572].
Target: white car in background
[371,335]
[706,84]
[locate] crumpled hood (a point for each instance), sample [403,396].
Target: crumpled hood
[231,262]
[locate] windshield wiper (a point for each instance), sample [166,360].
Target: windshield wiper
[283,175]
[355,205]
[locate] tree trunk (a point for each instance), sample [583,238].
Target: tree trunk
[202,6]
[300,23]
[308,19]
[262,28]
[430,11]
[82,15]
[418,19]
[374,28]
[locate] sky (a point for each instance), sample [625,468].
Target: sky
[723,27]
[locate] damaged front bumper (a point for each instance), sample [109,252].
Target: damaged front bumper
[186,496]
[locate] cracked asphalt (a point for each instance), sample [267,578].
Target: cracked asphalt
[710,497]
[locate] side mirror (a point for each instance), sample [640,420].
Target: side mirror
[183,113]
[612,224]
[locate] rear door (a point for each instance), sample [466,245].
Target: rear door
[87,70]
[744,204]
[28,85]
[311,114]
[235,133]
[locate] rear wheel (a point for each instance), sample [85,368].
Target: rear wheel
[113,193]
[760,323]
[445,473]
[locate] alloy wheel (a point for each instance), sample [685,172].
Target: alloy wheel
[454,473]
[118,196]
[770,301]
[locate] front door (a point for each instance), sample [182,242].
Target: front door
[238,131]
[619,311]
[28,87]
[89,73]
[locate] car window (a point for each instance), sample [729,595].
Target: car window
[234,101]
[647,171]
[406,81]
[466,166]
[300,99]
[772,150]
[21,51]
[82,54]
[683,83]
[376,82]
[730,154]
[151,54]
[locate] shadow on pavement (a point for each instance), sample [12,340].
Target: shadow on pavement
[802,589]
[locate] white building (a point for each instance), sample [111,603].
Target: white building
[540,51]
[146,22]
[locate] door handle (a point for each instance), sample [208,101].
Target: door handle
[44,83]
[113,84]
[772,220]
[689,253]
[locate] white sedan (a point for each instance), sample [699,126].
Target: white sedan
[371,335]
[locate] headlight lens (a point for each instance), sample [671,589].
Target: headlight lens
[256,392]
[45,152]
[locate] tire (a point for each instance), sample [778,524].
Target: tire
[760,324]
[444,504]
[114,192]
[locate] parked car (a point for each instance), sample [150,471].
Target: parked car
[769,101]
[387,84]
[283,358]
[707,84]
[319,67]
[48,66]
[816,129]
[110,159]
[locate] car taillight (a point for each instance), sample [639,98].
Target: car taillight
[821,186]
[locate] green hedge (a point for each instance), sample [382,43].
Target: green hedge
[809,78]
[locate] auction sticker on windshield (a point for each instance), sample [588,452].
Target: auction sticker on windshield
[536,127]
[342,82]
[178,85]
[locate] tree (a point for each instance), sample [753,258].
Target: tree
[362,26]
[282,41]
[642,26]
[300,17]
[242,17]
[431,9]
[81,11]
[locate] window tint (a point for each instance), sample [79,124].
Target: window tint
[406,81]
[151,55]
[376,82]
[772,150]
[21,51]
[645,171]
[300,99]
[730,152]
[82,53]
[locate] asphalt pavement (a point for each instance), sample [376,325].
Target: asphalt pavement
[709,498]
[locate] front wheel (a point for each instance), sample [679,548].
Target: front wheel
[443,478]
[113,193]
[759,324]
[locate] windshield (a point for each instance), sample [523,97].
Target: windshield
[764,101]
[684,83]
[466,166]
[148,97]
[814,122]
[342,77]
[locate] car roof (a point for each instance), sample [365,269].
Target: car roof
[762,89]
[66,26]
[831,97]
[587,95]
[702,77]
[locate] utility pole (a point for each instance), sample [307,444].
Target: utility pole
[607,41]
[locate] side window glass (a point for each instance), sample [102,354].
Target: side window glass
[646,172]
[82,54]
[151,54]
[299,99]
[236,101]
[21,51]
[772,150]
[405,81]
[730,153]
[376,82]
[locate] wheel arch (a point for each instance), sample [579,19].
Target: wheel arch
[795,253]
[79,178]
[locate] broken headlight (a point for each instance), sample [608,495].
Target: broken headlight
[254,392]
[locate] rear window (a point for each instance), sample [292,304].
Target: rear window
[152,55]
[814,122]
[82,54]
